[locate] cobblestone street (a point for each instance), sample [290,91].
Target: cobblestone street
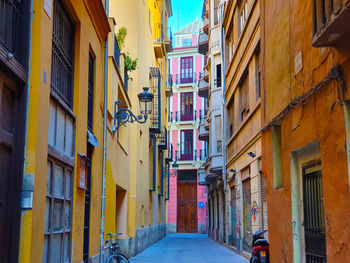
[187,248]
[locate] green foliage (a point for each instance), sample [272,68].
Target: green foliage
[130,64]
[122,33]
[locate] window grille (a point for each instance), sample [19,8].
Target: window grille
[155,81]
[12,27]
[62,54]
[314,223]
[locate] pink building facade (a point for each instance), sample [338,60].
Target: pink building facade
[187,204]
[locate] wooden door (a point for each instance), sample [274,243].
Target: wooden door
[187,207]
[11,172]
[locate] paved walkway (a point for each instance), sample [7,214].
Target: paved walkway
[187,248]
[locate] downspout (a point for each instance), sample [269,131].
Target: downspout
[224,112]
[27,180]
[104,157]
[223,81]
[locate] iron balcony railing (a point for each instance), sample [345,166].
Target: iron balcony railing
[187,78]
[170,81]
[177,116]
[116,53]
[195,155]
[13,24]
[126,80]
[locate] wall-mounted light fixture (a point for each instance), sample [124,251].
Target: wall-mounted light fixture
[123,115]
[251,154]
[175,168]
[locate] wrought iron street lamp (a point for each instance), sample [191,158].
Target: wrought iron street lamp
[123,115]
[175,167]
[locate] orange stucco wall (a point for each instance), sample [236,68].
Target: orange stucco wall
[287,30]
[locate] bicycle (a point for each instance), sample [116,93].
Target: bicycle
[114,250]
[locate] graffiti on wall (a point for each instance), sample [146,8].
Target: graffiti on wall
[295,235]
[255,210]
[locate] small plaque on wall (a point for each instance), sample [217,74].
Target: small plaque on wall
[82,170]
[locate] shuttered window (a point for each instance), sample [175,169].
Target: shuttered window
[244,97]
[263,202]
[218,134]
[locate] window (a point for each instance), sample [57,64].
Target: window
[62,54]
[218,134]
[91,92]
[243,15]
[216,4]
[244,97]
[186,70]
[186,106]
[187,42]
[58,213]
[218,76]
[277,157]
[258,75]
[186,145]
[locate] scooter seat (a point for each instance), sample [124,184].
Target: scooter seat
[261,242]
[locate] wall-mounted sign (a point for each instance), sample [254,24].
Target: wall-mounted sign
[201,205]
[82,170]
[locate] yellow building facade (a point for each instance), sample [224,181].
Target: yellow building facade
[81,181]
[138,200]
[65,132]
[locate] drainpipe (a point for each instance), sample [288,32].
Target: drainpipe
[104,157]
[27,180]
[224,111]
[223,81]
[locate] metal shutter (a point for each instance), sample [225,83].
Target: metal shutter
[247,222]
[263,201]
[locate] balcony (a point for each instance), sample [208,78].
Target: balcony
[216,163]
[169,42]
[195,155]
[203,43]
[203,133]
[202,175]
[163,140]
[206,74]
[169,86]
[187,78]
[203,88]
[206,24]
[331,22]
[176,116]
[159,44]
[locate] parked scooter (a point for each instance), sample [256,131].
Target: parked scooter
[260,246]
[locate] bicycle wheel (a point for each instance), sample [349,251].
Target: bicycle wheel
[117,259]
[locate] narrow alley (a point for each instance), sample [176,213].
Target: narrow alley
[187,248]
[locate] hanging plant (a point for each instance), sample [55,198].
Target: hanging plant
[130,64]
[121,35]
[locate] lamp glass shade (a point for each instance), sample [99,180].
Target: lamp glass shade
[145,101]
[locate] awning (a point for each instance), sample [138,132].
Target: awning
[91,138]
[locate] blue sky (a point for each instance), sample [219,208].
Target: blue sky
[188,9]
